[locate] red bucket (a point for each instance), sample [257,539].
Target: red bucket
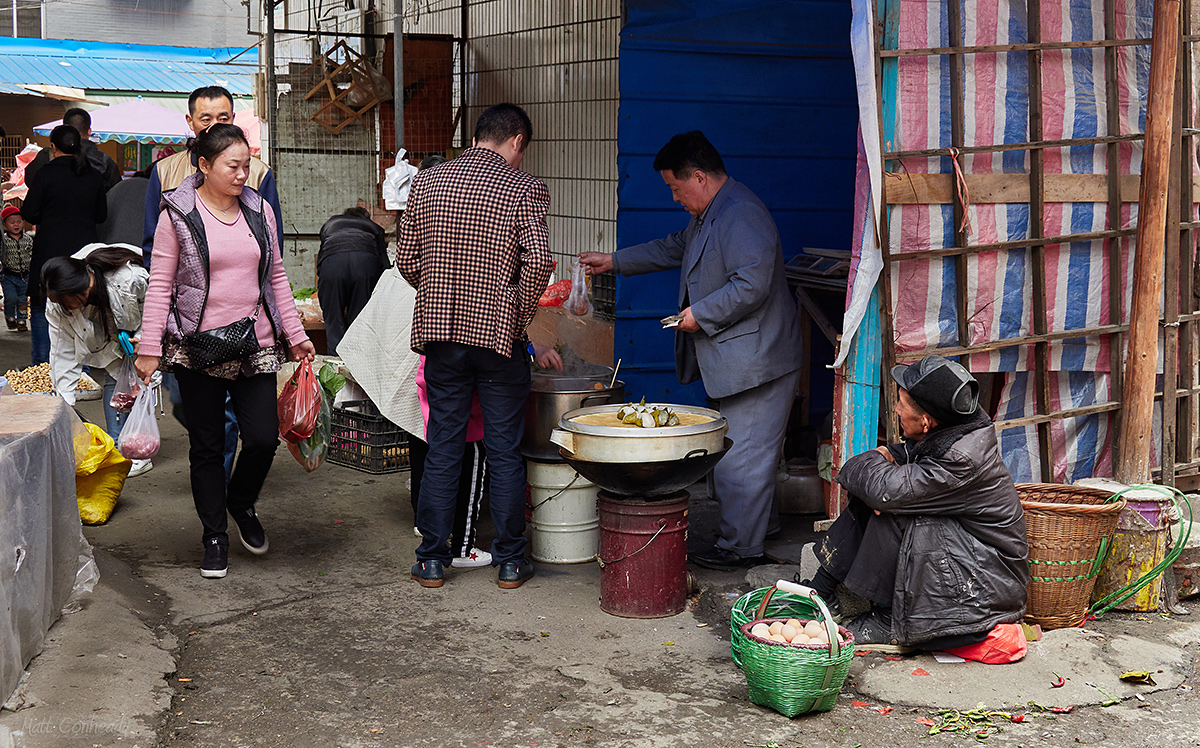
[643,555]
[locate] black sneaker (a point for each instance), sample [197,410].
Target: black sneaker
[251,531]
[873,630]
[428,573]
[513,574]
[216,559]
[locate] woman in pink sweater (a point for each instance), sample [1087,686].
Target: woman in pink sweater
[214,236]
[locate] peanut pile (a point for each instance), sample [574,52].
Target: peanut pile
[30,380]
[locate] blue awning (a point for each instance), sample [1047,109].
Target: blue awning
[98,66]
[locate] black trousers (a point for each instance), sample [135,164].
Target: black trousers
[454,373]
[344,285]
[861,549]
[253,400]
[472,482]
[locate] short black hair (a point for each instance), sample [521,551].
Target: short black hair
[688,152]
[79,119]
[208,92]
[358,212]
[431,161]
[503,121]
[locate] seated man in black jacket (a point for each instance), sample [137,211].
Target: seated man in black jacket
[353,255]
[934,534]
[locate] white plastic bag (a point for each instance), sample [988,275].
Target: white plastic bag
[377,350]
[397,181]
[577,302]
[139,435]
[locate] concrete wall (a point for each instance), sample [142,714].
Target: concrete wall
[173,23]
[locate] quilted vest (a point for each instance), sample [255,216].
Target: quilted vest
[190,293]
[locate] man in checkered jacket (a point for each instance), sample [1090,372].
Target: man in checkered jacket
[473,242]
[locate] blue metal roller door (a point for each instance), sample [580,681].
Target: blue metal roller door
[771,84]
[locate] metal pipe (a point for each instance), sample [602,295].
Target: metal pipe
[398,72]
[272,85]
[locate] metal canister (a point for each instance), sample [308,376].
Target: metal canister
[550,398]
[643,555]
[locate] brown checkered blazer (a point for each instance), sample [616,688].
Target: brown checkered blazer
[473,242]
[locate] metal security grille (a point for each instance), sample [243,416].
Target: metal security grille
[325,143]
[559,61]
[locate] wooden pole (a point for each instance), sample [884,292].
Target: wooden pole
[1141,362]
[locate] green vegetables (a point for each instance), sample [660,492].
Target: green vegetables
[300,294]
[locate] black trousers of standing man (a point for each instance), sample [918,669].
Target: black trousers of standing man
[344,285]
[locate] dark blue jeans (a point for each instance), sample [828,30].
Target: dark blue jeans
[15,288]
[39,335]
[453,374]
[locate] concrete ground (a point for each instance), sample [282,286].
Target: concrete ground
[325,641]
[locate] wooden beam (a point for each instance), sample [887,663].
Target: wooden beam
[1037,253]
[905,188]
[1116,188]
[1137,433]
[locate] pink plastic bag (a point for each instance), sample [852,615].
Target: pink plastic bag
[299,405]
[139,436]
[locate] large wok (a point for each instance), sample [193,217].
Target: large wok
[648,479]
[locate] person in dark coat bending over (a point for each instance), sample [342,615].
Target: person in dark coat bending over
[934,534]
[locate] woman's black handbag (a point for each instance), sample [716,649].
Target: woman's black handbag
[232,342]
[235,341]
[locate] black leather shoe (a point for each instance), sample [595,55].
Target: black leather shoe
[513,574]
[723,560]
[428,573]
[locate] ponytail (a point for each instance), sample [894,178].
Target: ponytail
[69,142]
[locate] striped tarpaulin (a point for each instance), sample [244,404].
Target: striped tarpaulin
[999,284]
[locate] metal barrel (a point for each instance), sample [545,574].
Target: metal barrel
[643,555]
[563,524]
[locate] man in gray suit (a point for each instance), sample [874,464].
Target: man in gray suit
[738,333]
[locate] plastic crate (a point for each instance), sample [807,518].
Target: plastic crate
[604,297]
[362,439]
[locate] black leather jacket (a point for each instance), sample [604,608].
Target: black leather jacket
[964,557]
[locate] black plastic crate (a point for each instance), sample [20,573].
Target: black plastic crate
[362,439]
[604,297]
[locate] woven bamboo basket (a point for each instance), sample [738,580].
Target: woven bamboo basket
[793,679]
[1070,529]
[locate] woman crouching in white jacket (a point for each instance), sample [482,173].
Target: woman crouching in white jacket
[92,296]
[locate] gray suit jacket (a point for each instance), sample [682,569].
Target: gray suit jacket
[732,276]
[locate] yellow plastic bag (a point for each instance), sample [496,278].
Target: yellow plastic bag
[99,477]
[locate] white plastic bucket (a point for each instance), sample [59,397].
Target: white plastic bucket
[565,523]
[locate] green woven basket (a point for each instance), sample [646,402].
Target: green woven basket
[793,680]
[779,605]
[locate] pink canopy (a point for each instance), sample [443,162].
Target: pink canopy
[137,120]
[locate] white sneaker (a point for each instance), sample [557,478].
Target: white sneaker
[417,532]
[140,467]
[472,560]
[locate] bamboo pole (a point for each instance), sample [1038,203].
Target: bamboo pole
[1136,434]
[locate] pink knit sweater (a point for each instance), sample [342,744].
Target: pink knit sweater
[232,295]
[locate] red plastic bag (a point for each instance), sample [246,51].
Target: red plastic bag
[1004,643]
[556,293]
[299,405]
